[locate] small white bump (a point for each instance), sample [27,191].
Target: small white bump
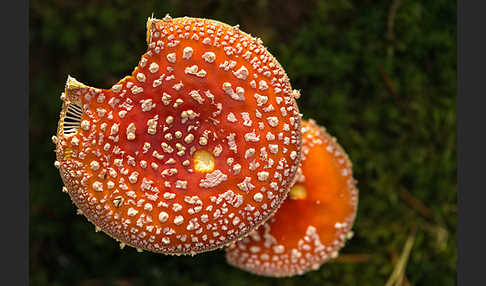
[98,186]
[258,197]
[94,165]
[241,73]
[187,53]
[179,220]
[141,77]
[163,217]
[85,125]
[171,58]
[130,131]
[154,67]
[209,57]
[132,212]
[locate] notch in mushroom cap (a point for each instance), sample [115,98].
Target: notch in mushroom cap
[192,151]
[313,223]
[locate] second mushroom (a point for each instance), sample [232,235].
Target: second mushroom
[314,222]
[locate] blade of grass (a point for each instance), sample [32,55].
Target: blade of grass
[401,264]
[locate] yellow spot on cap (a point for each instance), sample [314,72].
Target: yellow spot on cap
[203,161]
[298,192]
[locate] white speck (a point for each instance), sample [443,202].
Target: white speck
[189,138]
[171,57]
[217,150]
[176,207]
[116,88]
[147,105]
[231,117]
[246,185]
[203,141]
[98,186]
[272,121]
[258,197]
[136,89]
[246,119]
[133,177]
[241,73]
[236,169]
[262,176]
[140,77]
[293,155]
[94,165]
[252,137]
[296,93]
[122,113]
[179,220]
[163,217]
[206,41]
[262,85]
[249,153]
[178,86]
[143,62]
[278,249]
[101,112]
[75,141]
[209,57]
[240,92]
[273,148]
[260,99]
[152,127]
[181,184]
[213,179]
[130,131]
[132,212]
[154,67]
[169,196]
[187,53]
[234,95]
[148,207]
[166,240]
[270,136]
[85,125]
[196,96]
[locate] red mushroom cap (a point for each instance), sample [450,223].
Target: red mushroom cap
[194,150]
[313,223]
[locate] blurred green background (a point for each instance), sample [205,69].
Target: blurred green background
[380,75]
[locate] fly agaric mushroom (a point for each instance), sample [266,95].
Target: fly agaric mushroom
[313,223]
[194,150]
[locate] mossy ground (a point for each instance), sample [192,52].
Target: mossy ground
[380,75]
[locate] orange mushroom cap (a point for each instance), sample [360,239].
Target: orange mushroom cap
[194,150]
[313,223]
